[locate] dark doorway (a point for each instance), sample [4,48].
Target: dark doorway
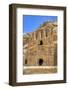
[41,42]
[25,61]
[40,62]
[55,56]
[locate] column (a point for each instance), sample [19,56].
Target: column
[39,35]
[34,35]
[44,33]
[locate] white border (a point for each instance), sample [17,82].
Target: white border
[38,77]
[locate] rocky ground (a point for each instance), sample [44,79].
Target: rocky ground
[39,70]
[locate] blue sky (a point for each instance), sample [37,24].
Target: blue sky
[32,22]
